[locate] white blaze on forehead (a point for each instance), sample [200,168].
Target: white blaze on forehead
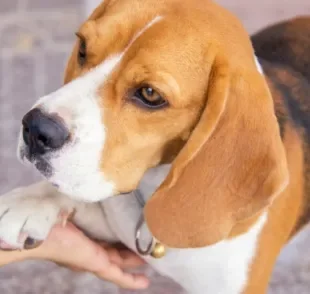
[144,29]
[258,65]
[87,85]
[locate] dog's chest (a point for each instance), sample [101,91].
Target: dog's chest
[222,268]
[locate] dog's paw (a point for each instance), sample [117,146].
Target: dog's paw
[26,219]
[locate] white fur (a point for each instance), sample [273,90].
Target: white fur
[222,268]
[258,65]
[143,30]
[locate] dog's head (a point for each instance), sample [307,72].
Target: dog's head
[152,82]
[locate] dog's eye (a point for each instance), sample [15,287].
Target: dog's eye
[148,97]
[82,53]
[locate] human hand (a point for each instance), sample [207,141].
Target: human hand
[68,246]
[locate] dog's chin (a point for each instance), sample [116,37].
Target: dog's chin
[70,177]
[84,191]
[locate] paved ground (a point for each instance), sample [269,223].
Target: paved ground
[35,39]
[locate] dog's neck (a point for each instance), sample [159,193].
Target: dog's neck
[128,208]
[123,213]
[152,179]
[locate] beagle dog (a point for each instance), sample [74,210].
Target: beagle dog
[206,144]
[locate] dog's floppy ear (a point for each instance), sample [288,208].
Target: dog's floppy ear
[231,168]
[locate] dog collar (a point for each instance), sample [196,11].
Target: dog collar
[154,248]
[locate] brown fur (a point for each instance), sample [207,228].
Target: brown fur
[286,61]
[219,131]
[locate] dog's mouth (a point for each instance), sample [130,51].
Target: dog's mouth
[43,167]
[39,162]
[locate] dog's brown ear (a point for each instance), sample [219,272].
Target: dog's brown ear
[231,168]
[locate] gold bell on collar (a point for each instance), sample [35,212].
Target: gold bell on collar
[158,251]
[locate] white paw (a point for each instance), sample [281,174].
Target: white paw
[26,218]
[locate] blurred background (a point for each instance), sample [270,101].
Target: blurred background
[36,37]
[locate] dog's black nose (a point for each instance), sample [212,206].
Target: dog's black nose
[43,133]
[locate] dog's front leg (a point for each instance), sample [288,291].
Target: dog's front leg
[29,213]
